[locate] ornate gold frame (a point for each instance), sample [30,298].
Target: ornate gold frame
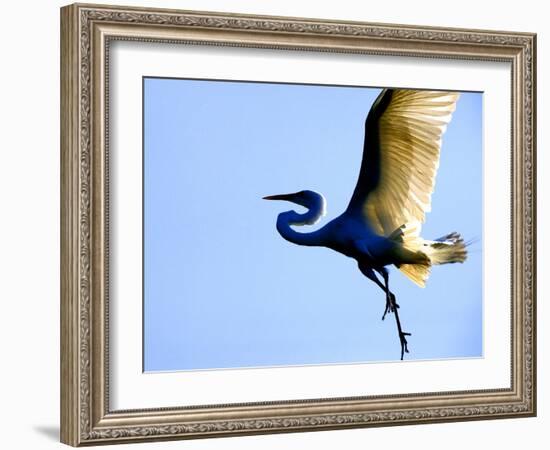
[86,31]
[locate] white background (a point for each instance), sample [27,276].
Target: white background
[29,229]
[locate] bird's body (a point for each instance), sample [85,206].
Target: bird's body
[351,237]
[381,225]
[344,234]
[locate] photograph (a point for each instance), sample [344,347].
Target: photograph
[389,178]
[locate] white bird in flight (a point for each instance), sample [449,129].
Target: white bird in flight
[382,223]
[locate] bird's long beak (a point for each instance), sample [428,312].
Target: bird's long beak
[279,197]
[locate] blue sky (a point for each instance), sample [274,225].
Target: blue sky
[222,289]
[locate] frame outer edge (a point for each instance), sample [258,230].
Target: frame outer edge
[69,185]
[534,137]
[82,409]
[533,235]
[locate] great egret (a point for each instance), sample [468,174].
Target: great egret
[381,225]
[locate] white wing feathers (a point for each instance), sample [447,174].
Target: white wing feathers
[410,131]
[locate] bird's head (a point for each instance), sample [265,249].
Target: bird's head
[311,200]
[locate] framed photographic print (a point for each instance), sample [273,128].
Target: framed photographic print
[275,224]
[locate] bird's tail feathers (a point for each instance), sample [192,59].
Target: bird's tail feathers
[447,249]
[422,253]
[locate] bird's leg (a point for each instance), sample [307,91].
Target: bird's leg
[393,308]
[390,298]
[391,304]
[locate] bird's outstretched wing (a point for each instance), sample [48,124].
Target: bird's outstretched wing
[400,157]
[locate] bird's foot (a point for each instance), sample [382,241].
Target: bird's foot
[391,305]
[403,340]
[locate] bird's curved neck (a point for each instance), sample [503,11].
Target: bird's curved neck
[316,209]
